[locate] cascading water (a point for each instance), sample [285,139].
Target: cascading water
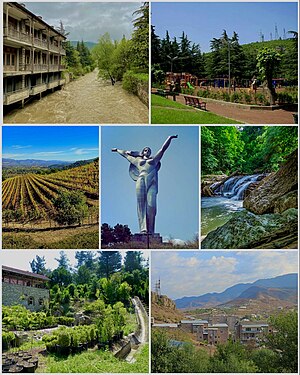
[236,186]
[228,199]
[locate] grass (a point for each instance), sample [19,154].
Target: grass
[165,111]
[77,238]
[97,362]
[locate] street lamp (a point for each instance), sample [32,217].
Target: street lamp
[172,59]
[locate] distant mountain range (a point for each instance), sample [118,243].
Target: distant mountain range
[29,163]
[8,163]
[281,287]
[89,45]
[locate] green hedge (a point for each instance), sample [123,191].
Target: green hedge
[132,80]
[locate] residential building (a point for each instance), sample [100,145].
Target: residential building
[24,288]
[211,333]
[33,54]
[250,332]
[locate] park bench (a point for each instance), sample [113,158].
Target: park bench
[166,93]
[194,102]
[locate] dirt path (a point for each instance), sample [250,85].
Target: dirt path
[278,116]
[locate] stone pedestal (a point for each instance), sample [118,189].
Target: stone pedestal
[141,237]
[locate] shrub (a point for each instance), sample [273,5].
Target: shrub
[7,339]
[131,82]
[64,320]
[235,97]
[64,339]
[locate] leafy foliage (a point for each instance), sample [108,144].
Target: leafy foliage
[248,149]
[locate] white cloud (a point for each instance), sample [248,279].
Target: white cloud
[83,151]
[192,273]
[12,156]
[48,153]
[17,147]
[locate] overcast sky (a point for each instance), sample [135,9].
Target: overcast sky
[88,21]
[196,273]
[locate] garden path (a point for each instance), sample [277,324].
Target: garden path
[278,116]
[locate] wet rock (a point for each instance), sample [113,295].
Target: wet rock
[272,194]
[207,181]
[249,231]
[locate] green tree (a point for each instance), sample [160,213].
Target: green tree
[71,207]
[83,275]
[103,55]
[63,260]
[284,340]
[133,261]
[267,60]
[109,263]
[38,265]
[86,258]
[107,234]
[209,162]
[231,357]
[121,233]
[140,38]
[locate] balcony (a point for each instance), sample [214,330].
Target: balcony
[9,68]
[40,68]
[40,43]
[18,36]
[56,68]
[53,84]
[38,89]
[57,49]
[15,96]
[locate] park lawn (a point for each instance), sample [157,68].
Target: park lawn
[97,362]
[165,111]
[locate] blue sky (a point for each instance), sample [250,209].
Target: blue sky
[204,21]
[178,178]
[67,143]
[195,273]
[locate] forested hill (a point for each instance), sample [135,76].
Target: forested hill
[89,45]
[248,149]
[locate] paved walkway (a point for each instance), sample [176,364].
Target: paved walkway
[278,116]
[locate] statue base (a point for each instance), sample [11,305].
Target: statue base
[142,237]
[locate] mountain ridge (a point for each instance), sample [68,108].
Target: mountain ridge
[287,282]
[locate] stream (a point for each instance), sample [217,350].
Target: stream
[217,210]
[86,100]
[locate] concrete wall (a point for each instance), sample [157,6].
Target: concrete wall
[19,295]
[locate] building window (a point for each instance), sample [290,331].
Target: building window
[30,301]
[41,301]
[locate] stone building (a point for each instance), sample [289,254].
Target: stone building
[24,288]
[247,332]
[33,54]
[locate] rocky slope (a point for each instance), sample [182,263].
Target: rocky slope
[271,219]
[276,192]
[163,309]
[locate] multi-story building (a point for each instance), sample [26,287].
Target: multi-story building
[247,332]
[24,288]
[33,54]
[211,333]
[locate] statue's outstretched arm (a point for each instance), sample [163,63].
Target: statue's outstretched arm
[126,154]
[164,147]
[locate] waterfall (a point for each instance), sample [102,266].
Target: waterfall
[235,187]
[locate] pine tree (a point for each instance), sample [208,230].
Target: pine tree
[110,262]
